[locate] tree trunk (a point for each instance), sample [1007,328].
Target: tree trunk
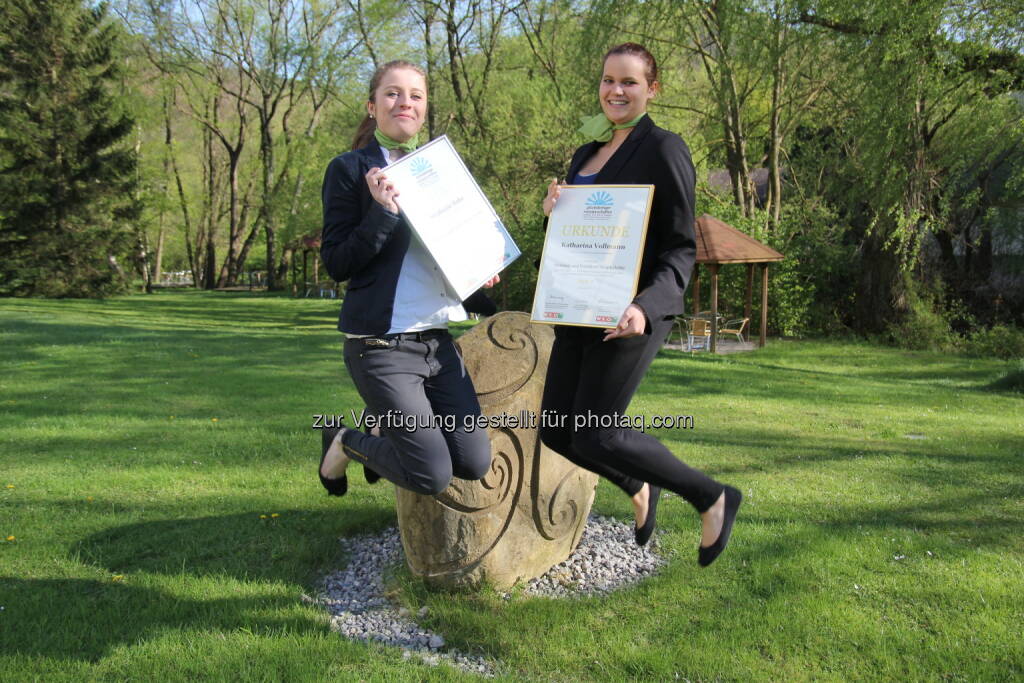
[775,138]
[428,19]
[880,297]
[269,170]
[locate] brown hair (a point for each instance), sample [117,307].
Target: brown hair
[637,50]
[364,133]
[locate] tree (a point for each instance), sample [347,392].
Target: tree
[918,81]
[67,170]
[256,76]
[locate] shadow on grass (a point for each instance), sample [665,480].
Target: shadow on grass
[83,619]
[241,546]
[236,310]
[851,363]
[928,464]
[691,382]
[137,372]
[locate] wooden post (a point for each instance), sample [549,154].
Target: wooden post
[714,307]
[305,271]
[748,308]
[764,303]
[293,269]
[696,289]
[316,267]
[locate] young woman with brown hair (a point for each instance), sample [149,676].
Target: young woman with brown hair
[595,372]
[395,313]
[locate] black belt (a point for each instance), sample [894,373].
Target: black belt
[390,339]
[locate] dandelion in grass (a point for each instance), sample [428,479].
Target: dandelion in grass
[274,515]
[263,516]
[117,577]
[10,486]
[10,539]
[213,419]
[88,499]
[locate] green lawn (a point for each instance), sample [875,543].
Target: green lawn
[141,438]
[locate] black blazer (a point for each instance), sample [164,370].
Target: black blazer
[655,156]
[364,243]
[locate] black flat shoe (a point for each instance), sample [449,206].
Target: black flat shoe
[644,533]
[706,556]
[339,485]
[371,476]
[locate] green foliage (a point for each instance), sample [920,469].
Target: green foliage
[66,176]
[809,289]
[525,137]
[998,341]
[897,128]
[926,325]
[910,139]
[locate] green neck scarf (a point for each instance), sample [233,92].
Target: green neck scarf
[599,128]
[390,143]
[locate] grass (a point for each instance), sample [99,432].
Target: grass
[141,439]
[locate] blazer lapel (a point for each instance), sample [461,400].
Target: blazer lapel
[370,156]
[582,155]
[373,154]
[612,167]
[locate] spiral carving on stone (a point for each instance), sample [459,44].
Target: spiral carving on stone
[494,488]
[558,513]
[509,332]
[501,487]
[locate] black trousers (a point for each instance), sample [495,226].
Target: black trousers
[422,394]
[588,376]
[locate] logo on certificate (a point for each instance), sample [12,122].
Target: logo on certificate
[423,172]
[599,207]
[604,318]
[552,315]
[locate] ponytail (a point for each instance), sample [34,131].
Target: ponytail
[364,133]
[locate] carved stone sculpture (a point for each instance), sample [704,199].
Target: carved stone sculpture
[528,513]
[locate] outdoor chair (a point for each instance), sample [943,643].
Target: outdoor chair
[683,326]
[699,335]
[326,289]
[734,327]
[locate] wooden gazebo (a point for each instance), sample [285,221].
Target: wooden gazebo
[309,245]
[719,243]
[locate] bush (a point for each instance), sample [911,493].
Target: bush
[926,324]
[1000,341]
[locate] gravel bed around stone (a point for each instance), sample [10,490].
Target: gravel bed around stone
[359,609]
[605,559]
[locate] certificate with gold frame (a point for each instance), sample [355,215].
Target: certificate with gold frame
[592,252]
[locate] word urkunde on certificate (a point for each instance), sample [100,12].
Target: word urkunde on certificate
[451,216]
[592,252]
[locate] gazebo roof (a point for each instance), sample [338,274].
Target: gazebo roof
[719,242]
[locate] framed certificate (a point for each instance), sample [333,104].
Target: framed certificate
[451,216]
[592,252]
